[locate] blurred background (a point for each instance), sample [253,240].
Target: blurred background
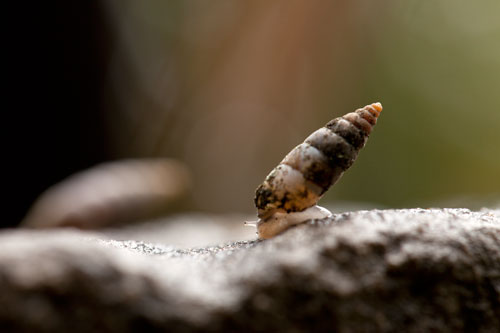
[229,87]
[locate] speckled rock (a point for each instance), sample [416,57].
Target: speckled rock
[410,270]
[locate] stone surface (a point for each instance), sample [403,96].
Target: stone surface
[187,230]
[393,270]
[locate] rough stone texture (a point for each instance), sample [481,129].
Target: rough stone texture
[411,270]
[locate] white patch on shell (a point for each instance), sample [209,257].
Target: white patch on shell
[343,124]
[286,179]
[280,221]
[325,135]
[303,157]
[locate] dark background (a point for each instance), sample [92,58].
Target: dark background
[54,125]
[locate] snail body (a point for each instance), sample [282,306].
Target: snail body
[289,194]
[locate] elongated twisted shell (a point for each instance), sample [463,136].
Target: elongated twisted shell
[307,172]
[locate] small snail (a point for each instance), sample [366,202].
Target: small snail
[289,194]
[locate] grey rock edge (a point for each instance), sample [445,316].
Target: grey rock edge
[392,270]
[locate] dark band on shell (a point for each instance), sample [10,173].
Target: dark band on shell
[307,172]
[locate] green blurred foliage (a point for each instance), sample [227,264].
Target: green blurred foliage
[436,68]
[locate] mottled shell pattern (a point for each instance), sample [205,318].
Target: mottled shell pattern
[307,172]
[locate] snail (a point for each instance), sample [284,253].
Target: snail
[289,194]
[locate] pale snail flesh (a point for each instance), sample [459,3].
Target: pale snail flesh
[289,194]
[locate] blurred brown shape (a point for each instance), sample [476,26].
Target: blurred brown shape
[112,193]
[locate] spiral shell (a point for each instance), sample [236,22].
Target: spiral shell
[306,173]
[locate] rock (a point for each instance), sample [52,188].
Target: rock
[118,192]
[186,230]
[393,270]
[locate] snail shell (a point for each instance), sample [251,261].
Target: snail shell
[289,194]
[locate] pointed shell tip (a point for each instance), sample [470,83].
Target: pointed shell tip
[377,106]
